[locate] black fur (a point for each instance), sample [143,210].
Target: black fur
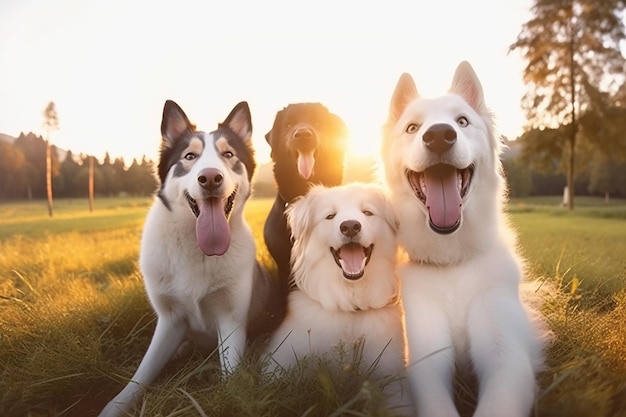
[330,137]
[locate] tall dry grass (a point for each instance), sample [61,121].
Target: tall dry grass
[75,322]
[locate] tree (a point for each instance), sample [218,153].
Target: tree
[12,170]
[34,149]
[51,123]
[573,58]
[69,169]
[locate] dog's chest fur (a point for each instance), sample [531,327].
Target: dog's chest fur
[180,278]
[455,289]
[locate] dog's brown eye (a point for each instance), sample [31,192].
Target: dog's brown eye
[412,128]
[190,156]
[330,216]
[368,213]
[228,154]
[462,121]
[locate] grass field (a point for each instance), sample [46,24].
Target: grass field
[74,320]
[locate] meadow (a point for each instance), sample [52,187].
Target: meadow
[75,322]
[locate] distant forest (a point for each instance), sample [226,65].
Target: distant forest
[23,172]
[23,176]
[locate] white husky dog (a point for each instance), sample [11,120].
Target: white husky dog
[198,255]
[460,288]
[344,266]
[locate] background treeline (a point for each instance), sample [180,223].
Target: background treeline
[23,172]
[529,171]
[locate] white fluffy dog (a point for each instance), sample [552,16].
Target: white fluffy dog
[344,258]
[460,288]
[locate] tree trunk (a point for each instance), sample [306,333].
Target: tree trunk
[49,176]
[91,183]
[570,171]
[574,130]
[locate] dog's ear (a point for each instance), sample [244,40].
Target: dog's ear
[268,137]
[174,123]
[389,212]
[298,216]
[240,121]
[466,84]
[404,93]
[341,128]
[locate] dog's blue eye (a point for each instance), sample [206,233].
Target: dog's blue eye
[462,121]
[228,154]
[368,213]
[190,156]
[412,128]
[330,216]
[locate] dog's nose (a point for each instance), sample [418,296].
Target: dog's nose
[350,228]
[303,140]
[210,178]
[303,134]
[439,137]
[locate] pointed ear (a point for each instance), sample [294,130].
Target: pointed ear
[268,137]
[240,121]
[174,123]
[466,84]
[404,93]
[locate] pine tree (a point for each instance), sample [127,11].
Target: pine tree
[51,122]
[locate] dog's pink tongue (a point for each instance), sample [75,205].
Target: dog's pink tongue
[306,162]
[442,195]
[352,258]
[212,231]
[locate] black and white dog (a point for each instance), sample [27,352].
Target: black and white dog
[198,254]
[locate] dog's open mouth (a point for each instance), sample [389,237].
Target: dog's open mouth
[352,258]
[442,189]
[212,215]
[228,204]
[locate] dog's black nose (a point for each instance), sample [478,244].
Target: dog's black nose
[303,134]
[350,228]
[210,178]
[439,137]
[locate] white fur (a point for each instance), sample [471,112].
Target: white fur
[327,312]
[203,297]
[460,291]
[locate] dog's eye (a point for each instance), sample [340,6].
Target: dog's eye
[462,121]
[331,216]
[412,128]
[228,154]
[368,213]
[190,156]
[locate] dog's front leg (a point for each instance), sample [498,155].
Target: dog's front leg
[431,351]
[431,368]
[501,350]
[231,333]
[167,337]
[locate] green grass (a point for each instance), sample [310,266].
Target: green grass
[75,322]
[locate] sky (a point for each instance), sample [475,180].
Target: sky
[110,65]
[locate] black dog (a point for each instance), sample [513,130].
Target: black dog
[308,147]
